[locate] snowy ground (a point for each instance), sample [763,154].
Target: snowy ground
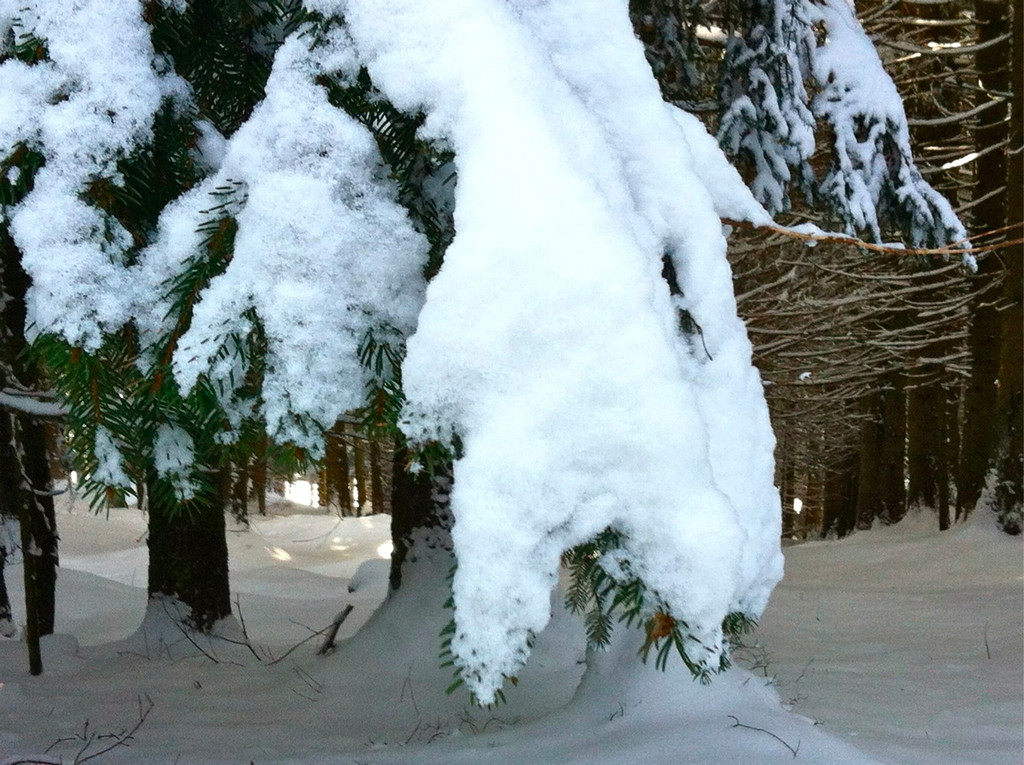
[899,646]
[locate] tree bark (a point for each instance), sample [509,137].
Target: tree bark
[25,485]
[376,479]
[419,511]
[926,443]
[188,554]
[980,440]
[1010,402]
[7,628]
[359,468]
[880,488]
[840,497]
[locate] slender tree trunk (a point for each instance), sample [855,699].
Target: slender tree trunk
[946,456]
[880,489]
[411,507]
[7,628]
[188,554]
[892,451]
[25,486]
[867,469]
[419,511]
[359,465]
[376,479]
[813,510]
[840,497]
[240,489]
[258,487]
[24,494]
[926,447]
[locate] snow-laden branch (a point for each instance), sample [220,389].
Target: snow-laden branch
[549,342]
[33,403]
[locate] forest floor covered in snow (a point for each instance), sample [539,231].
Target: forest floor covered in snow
[900,645]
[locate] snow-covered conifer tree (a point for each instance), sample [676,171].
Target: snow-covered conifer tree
[800,68]
[576,353]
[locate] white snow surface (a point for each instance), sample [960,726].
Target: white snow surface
[549,344]
[899,646]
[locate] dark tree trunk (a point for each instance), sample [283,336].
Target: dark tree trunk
[813,509]
[359,468]
[419,511]
[785,476]
[344,479]
[6,617]
[892,451]
[926,443]
[258,485]
[188,554]
[840,497]
[25,486]
[376,479]
[240,489]
[1009,494]
[880,488]
[411,507]
[980,434]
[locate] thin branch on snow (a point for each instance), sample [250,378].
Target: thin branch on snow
[738,724]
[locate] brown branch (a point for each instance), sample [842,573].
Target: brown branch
[951,249]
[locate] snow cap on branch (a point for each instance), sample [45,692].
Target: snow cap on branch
[322,254]
[549,343]
[873,180]
[87,105]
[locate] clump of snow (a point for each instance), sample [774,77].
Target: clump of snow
[109,462]
[549,343]
[322,255]
[90,104]
[173,458]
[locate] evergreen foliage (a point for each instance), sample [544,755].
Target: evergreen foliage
[766,120]
[606,591]
[799,71]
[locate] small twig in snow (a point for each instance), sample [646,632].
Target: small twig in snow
[803,671]
[302,642]
[738,724]
[89,739]
[328,645]
[245,632]
[407,683]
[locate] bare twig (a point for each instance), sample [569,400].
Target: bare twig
[90,739]
[302,642]
[121,739]
[738,724]
[956,248]
[328,645]
[245,632]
